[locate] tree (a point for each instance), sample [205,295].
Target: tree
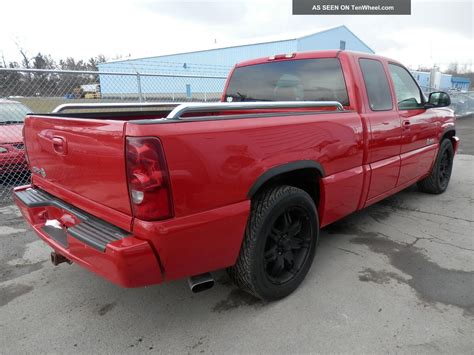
[94,62]
[453,68]
[71,64]
[41,61]
[46,83]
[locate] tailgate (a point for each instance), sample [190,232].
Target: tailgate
[84,156]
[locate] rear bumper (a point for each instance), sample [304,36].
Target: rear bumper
[88,241]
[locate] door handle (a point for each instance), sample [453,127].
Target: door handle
[406,124]
[59,145]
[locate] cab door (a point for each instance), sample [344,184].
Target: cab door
[384,129]
[419,126]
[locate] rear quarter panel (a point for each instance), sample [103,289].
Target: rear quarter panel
[214,163]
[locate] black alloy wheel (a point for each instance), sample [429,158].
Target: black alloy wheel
[438,180]
[287,246]
[279,244]
[445,168]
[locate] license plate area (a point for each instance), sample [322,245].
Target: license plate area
[60,221]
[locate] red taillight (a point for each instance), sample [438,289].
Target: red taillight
[148,180]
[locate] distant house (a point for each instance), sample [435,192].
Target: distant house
[201,67]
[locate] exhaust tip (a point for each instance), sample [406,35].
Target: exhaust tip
[201,282]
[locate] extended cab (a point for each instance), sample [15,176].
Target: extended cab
[167,191]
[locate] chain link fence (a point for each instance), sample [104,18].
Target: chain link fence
[40,91]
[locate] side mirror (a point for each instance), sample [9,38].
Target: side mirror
[438,99]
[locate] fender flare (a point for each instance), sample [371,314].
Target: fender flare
[448,129]
[282,169]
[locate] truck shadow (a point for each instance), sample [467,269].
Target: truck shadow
[226,297]
[365,228]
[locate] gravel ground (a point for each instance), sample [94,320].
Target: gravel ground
[397,276]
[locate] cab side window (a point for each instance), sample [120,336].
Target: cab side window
[376,85]
[406,89]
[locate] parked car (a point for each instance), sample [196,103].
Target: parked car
[298,142]
[462,103]
[12,154]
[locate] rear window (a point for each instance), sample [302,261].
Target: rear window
[292,80]
[376,84]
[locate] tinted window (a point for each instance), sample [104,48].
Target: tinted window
[289,80]
[408,93]
[376,84]
[12,112]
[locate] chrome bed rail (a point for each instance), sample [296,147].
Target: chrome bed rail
[92,106]
[182,108]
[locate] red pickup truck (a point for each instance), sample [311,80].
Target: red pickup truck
[166,191]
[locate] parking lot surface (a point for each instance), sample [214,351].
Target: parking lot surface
[397,276]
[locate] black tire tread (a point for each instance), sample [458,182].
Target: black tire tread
[262,204]
[430,183]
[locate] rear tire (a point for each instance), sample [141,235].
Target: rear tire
[279,244]
[438,180]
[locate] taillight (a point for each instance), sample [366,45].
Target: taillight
[148,180]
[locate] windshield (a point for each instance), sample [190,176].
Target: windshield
[12,113]
[292,80]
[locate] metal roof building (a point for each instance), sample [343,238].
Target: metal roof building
[192,75]
[435,80]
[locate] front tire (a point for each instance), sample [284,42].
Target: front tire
[279,245]
[438,180]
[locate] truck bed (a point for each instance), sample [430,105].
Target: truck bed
[92,165]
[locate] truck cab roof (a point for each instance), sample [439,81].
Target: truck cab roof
[333,53]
